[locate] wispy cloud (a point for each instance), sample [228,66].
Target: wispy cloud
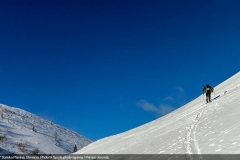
[169,98]
[167,105]
[180,89]
[180,96]
[145,105]
[159,111]
[165,109]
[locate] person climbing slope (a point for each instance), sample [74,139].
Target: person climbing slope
[208,89]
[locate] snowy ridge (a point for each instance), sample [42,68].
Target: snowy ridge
[22,127]
[194,129]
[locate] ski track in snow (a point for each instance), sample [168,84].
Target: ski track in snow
[191,143]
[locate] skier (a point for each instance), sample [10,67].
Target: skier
[208,89]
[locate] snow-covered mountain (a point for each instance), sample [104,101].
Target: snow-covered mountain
[22,132]
[195,128]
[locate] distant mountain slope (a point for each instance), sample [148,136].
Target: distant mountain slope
[195,128]
[23,132]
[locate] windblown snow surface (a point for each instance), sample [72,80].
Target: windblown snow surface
[195,128]
[16,125]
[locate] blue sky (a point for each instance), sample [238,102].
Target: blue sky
[104,67]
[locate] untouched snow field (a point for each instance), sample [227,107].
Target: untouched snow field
[195,128]
[17,126]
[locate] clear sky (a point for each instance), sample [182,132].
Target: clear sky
[101,67]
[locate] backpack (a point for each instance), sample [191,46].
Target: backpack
[209,88]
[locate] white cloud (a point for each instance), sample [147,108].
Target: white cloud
[180,96]
[169,98]
[176,99]
[165,109]
[147,106]
[180,89]
[159,111]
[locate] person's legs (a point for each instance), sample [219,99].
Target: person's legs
[208,97]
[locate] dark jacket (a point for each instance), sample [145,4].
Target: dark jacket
[208,88]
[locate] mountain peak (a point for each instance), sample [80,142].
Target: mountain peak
[22,132]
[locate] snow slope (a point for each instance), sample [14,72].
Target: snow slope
[48,137]
[195,128]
